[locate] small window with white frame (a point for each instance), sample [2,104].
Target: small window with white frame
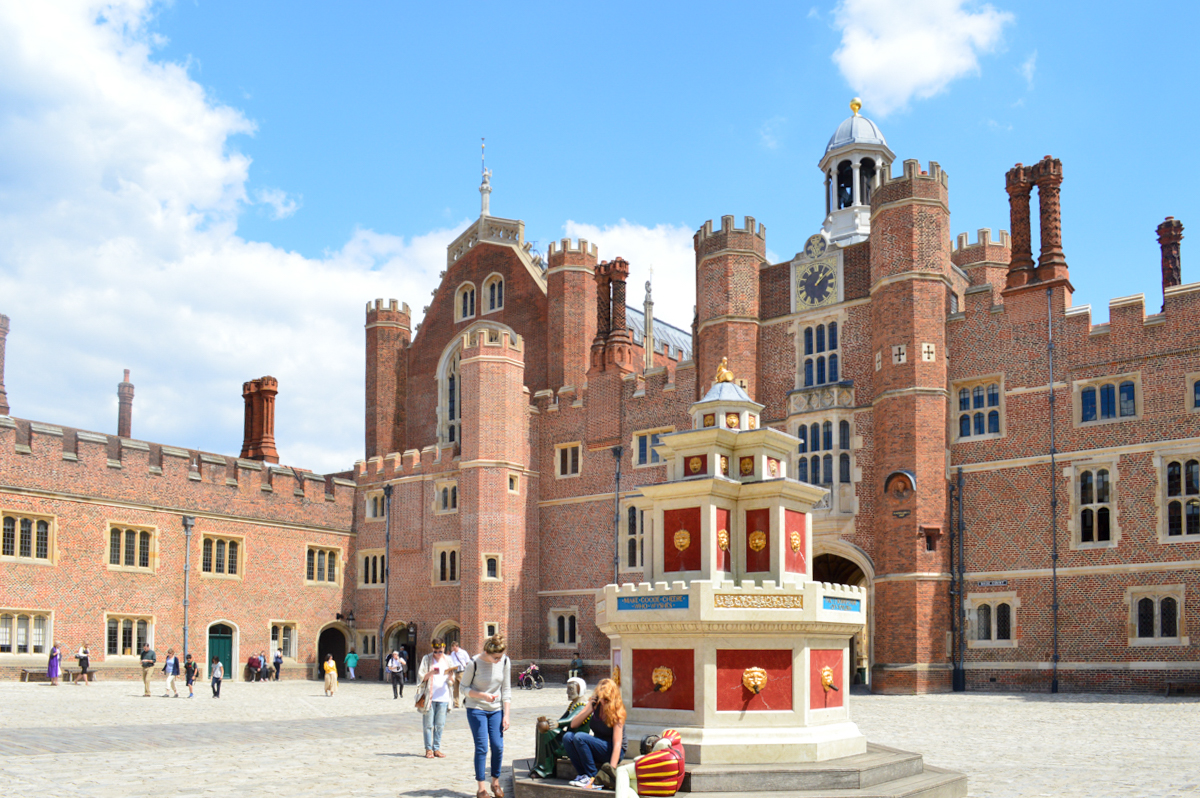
[493,293]
[446,563]
[464,302]
[376,506]
[27,537]
[644,442]
[321,566]
[994,620]
[125,635]
[633,544]
[132,548]
[1094,506]
[284,638]
[222,557]
[372,572]
[25,631]
[567,458]
[491,629]
[514,483]
[491,567]
[1104,400]
[446,497]
[1156,615]
[564,628]
[979,408]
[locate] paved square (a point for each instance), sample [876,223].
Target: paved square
[289,739]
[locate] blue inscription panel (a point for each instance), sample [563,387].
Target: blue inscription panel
[668,602]
[841,604]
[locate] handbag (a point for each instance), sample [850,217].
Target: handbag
[422,697]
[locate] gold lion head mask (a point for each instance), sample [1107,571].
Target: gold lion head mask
[827,679]
[663,677]
[754,679]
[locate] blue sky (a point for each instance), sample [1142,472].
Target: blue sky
[206,192]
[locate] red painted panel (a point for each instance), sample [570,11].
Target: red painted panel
[818,698]
[733,696]
[695,465]
[674,558]
[724,558]
[681,693]
[758,521]
[794,530]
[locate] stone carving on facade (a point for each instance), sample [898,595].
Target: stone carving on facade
[777,602]
[754,679]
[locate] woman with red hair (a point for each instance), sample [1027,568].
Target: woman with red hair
[606,743]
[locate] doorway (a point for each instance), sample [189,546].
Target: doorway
[841,571]
[220,645]
[332,641]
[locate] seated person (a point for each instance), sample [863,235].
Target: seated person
[549,735]
[657,772]
[606,743]
[576,668]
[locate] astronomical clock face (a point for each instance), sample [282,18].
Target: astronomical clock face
[816,284]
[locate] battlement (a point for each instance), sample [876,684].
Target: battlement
[391,306]
[983,239]
[567,248]
[433,459]
[46,457]
[492,343]
[706,230]
[912,171]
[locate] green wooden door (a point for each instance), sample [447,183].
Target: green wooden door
[220,645]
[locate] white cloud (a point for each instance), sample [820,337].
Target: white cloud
[282,205]
[768,134]
[666,248]
[119,196]
[894,51]
[1028,67]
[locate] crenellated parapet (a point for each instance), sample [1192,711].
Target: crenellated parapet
[430,461]
[567,254]
[913,182]
[707,241]
[72,462]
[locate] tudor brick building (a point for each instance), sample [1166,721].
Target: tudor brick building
[508,437]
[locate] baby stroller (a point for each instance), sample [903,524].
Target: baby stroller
[531,678]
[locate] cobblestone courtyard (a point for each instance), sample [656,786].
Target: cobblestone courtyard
[289,739]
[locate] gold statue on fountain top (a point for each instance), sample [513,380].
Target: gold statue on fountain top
[723,372]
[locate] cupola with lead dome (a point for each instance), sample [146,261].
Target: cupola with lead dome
[853,164]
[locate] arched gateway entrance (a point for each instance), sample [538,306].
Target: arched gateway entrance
[332,641]
[849,565]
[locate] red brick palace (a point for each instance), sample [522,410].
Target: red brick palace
[973,468]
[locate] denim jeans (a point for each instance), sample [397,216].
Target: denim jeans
[486,729]
[584,750]
[433,723]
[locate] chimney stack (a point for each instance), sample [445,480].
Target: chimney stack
[603,276]
[1170,233]
[1019,184]
[1048,176]
[3,339]
[125,407]
[258,442]
[620,342]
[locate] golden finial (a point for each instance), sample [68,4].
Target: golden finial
[723,372]
[856,105]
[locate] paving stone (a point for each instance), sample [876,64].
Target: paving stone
[104,740]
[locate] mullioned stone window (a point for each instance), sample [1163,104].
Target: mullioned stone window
[1156,615]
[321,566]
[24,631]
[979,408]
[1106,400]
[132,548]
[993,620]
[28,538]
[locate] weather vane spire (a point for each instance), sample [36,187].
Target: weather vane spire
[485,188]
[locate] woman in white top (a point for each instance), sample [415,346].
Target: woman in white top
[434,673]
[488,682]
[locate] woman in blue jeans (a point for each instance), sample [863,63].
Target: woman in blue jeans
[488,679]
[606,744]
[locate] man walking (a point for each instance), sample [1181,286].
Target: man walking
[148,660]
[171,669]
[461,660]
[396,665]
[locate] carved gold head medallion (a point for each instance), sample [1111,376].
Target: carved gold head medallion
[754,679]
[662,677]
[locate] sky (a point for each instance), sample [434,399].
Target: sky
[209,192]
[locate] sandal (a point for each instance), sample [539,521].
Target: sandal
[439,754]
[429,754]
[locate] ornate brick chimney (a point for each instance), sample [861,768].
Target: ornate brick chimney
[259,440]
[125,407]
[1170,233]
[620,343]
[1048,176]
[3,340]
[1019,183]
[603,314]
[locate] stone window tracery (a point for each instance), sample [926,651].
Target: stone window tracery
[564,627]
[1108,399]
[321,565]
[27,537]
[1156,615]
[220,556]
[464,302]
[821,354]
[993,620]
[446,563]
[493,291]
[131,549]
[979,408]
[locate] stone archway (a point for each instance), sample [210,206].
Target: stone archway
[839,562]
[332,640]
